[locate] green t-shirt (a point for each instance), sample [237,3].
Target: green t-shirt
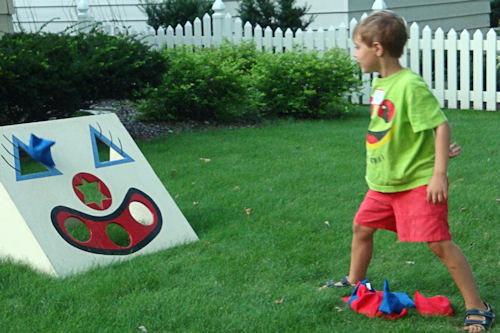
[400,139]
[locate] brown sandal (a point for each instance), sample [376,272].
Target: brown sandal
[486,323]
[344,283]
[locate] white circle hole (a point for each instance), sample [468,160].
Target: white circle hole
[141,213]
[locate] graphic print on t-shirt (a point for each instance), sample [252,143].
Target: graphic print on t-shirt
[381,126]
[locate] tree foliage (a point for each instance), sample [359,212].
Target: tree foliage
[495,13]
[172,12]
[275,13]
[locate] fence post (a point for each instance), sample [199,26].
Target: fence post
[439,66]
[218,20]
[238,30]
[288,44]
[379,5]
[179,35]
[268,39]
[278,40]
[188,34]
[452,74]
[342,36]
[414,46]
[464,69]
[477,71]
[427,55]
[309,40]
[491,70]
[248,31]
[85,19]
[197,32]
[207,30]
[331,39]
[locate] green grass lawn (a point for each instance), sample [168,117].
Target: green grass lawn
[258,198]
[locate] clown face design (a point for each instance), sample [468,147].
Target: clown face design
[75,184]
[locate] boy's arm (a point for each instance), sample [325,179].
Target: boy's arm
[437,190]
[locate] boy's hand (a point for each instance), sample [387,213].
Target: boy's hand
[455,150]
[437,190]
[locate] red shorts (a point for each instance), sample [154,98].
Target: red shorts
[406,213]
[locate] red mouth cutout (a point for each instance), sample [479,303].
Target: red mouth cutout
[139,232]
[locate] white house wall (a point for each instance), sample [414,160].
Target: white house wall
[457,14]
[447,14]
[32,14]
[327,12]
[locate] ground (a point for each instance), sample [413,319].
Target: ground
[127,113]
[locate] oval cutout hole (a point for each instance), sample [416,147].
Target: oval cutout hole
[77,229]
[141,213]
[118,235]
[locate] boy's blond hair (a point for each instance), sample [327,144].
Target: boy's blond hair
[386,28]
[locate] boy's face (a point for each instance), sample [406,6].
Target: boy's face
[365,55]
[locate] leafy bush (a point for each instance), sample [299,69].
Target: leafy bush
[208,84]
[117,67]
[236,82]
[172,12]
[38,77]
[306,84]
[274,14]
[52,75]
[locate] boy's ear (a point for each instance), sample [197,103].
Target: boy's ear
[378,48]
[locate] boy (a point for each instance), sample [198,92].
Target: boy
[407,160]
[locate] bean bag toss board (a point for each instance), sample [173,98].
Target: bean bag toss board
[78,193]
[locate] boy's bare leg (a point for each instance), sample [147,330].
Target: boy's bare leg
[361,252]
[460,271]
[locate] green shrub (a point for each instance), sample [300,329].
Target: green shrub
[38,77]
[207,84]
[117,67]
[52,75]
[305,84]
[237,82]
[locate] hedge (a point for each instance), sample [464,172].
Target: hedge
[46,75]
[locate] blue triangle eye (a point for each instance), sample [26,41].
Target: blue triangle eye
[102,145]
[33,160]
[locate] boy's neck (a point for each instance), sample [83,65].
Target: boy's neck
[389,66]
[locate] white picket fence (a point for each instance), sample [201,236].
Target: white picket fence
[460,69]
